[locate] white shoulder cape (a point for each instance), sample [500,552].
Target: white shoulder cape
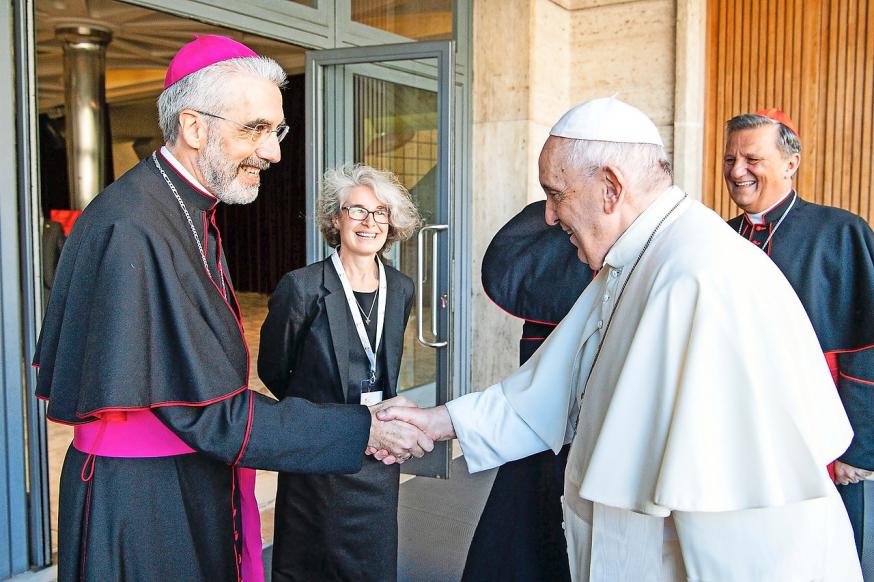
[711,392]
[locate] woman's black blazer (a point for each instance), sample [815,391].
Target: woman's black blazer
[305,340]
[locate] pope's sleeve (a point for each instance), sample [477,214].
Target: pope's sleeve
[490,432]
[292,435]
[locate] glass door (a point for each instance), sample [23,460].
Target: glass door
[391,107]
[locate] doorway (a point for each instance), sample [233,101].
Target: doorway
[264,239]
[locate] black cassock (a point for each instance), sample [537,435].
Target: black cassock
[532,272]
[136,323]
[827,254]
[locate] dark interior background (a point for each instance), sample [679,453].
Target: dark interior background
[262,240]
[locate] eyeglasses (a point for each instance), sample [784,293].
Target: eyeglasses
[359,213]
[256,133]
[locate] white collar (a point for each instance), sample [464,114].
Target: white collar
[629,245]
[759,217]
[177,165]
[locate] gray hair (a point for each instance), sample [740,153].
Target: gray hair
[641,162]
[204,90]
[336,184]
[787,142]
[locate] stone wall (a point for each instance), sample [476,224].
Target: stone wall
[627,49]
[532,60]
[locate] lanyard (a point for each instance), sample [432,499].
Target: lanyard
[369,351]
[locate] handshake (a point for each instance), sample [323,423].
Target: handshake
[400,430]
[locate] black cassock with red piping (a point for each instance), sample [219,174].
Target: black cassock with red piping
[136,322]
[532,272]
[827,254]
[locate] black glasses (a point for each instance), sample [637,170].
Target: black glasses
[256,133]
[359,213]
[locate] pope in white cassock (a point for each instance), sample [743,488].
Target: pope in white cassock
[687,375]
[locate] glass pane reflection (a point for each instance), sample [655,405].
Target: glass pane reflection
[396,130]
[416,19]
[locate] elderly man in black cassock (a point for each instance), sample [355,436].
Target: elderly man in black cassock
[827,254]
[142,349]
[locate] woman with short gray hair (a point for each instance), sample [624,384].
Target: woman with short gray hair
[334,333]
[336,185]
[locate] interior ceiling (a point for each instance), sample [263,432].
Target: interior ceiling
[143,42]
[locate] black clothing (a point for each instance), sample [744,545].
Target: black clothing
[368,301]
[340,527]
[131,301]
[827,254]
[531,271]
[53,239]
[309,304]
[359,367]
[136,323]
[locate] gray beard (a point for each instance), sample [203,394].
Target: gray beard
[221,176]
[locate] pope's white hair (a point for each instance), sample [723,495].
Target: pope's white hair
[646,165]
[205,90]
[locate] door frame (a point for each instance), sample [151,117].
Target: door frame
[453,209]
[24,503]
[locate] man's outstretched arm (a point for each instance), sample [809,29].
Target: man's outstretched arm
[399,439]
[292,435]
[490,432]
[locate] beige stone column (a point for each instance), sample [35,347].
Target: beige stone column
[533,60]
[689,96]
[520,81]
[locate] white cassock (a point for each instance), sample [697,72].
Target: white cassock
[705,427]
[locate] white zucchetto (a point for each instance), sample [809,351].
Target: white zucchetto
[607,119]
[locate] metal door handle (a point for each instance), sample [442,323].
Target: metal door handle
[420,274]
[435,272]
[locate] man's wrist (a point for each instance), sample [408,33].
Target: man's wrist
[443,428]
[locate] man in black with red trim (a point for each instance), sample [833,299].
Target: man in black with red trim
[827,254]
[142,350]
[531,271]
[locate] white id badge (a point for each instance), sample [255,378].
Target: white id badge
[371,398]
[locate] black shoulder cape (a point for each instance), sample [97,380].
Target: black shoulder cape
[532,272]
[827,254]
[134,321]
[530,269]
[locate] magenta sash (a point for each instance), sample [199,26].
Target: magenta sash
[139,434]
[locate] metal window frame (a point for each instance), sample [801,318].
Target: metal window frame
[24,506]
[314,97]
[276,19]
[351,33]
[453,364]
[15,288]
[39,533]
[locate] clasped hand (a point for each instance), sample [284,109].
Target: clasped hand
[395,441]
[847,474]
[400,430]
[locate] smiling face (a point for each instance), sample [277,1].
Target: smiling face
[361,237]
[230,163]
[577,202]
[756,172]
